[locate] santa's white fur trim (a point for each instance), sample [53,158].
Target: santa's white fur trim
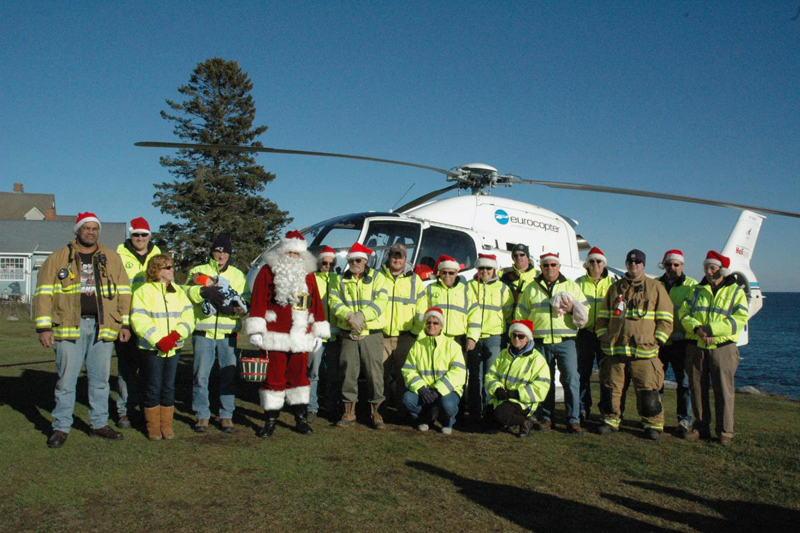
[449,265]
[293,245]
[272,400]
[298,340]
[356,255]
[321,330]
[298,395]
[255,325]
[271,316]
[486,262]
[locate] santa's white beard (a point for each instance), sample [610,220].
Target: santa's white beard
[289,277]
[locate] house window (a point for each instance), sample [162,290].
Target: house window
[12,268]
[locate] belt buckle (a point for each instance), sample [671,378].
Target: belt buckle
[301,301]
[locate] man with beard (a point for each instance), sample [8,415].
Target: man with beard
[82,304]
[287,320]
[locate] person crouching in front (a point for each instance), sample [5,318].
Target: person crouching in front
[518,380]
[435,374]
[162,317]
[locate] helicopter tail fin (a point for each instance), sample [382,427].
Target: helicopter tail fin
[739,248]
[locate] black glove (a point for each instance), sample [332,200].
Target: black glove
[213,295]
[427,395]
[226,309]
[513,394]
[501,394]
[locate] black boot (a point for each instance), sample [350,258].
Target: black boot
[300,417]
[269,426]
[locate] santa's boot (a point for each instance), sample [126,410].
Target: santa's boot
[269,426]
[349,416]
[377,419]
[301,421]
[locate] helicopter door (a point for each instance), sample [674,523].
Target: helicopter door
[380,235]
[437,241]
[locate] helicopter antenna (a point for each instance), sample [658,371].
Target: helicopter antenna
[404,195]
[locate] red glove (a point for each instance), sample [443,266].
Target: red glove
[202,280]
[169,342]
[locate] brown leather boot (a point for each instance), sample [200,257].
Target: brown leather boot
[377,419]
[349,416]
[166,422]
[152,416]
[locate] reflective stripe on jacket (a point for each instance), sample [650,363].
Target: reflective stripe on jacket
[495,305]
[458,305]
[534,305]
[136,270]
[325,282]
[725,312]
[57,302]
[646,323]
[517,281]
[527,373]
[436,362]
[157,311]
[680,291]
[595,292]
[217,325]
[366,294]
[404,291]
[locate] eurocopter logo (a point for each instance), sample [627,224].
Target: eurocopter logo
[503,218]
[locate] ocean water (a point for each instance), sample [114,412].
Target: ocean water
[771,361]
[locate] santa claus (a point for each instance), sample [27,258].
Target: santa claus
[287,320]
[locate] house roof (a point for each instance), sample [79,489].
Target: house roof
[43,236]
[15,205]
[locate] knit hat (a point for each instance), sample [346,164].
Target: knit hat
[486,260]
[521,326]
[520,248]
[326,252]
[222,244]
[635,255]
[597,254]
[549,256]
[293,241]
[714,258]
[83,218]
[434,312]
[139,225]
[357,251]
[671,255]
[446,262]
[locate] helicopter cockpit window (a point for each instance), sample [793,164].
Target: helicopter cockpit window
[456,244]
[382,234]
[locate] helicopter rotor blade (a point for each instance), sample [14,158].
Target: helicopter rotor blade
[264,149]
[649,194]
[424,198]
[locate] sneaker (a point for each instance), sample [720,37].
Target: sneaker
[124,422]
[652,434]
[422,427]
[107,433]
[449,431]
[575,429]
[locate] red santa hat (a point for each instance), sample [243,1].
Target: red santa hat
[521,326]
[83,218]
[549,256]
[326,252]
[671,255]
[446,262]
[487,260]
[434,312]
[139,225]
[293,241]
[714,258]
[596,254]
[357,251]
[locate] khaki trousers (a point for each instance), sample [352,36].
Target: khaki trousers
[718,366]
[645,374]
[368,351]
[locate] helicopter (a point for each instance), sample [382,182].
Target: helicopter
[464,226]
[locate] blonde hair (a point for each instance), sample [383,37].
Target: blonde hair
[156,263]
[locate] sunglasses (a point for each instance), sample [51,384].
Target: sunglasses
[326,263]
[355,260]
[432,322]
[636,261]
[595,261]
[518,255]
[446,273]
[140,235]
[167,267]
[550,265]
[519,336]
[485,268]
[672,265]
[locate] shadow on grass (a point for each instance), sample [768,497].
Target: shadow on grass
[535,510]
[735,515]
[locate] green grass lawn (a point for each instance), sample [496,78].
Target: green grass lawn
[361,479]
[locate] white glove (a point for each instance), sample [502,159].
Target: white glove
[317,344]
[257,339]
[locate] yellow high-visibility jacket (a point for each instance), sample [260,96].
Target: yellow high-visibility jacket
[680,291]
[595,292]
[57,302]
[725,312]
[495,305]
[218,325]
[156,311]
[325,282]
[404,291]
[458,305]
[527,373]
[534,305]
[366,294]
[517,281]
[436,362]
[646,323]
[134,267]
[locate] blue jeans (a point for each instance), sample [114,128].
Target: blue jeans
[445,404]
[675,354]
[479,361]
[129,376]
[314,360]
[205,352]
[589,351]
[70,356]
[565,355]
[159,378]
[329,376]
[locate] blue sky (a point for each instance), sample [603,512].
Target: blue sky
[684,97]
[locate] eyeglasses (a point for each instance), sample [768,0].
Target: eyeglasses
[447,273]
[595,261]
[140,235]
[672,265]
[167,267]
[519,336]
[518,255]
[550,265]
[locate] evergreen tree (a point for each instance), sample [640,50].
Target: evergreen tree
[216,191]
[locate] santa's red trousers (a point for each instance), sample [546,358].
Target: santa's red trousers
[286,370]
